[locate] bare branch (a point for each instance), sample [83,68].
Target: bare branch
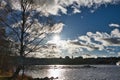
[34,48]
[18,36]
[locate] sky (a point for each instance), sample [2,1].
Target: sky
[87,28]
[99,21]
[87,21]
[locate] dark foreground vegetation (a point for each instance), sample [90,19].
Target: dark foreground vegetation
[29,78]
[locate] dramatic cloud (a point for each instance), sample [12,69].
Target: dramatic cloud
[90,41]
[37,30]
[51,50]
[56,28]
[100,41]
[55,7]
[113,41]
[66,46]
[115,33]
[114,25]
[93,41]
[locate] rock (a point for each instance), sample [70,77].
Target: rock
[46,78]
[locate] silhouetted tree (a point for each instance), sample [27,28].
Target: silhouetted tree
[24,28]
[4,52]
[67,57]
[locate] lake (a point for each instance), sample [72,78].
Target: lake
[76,72]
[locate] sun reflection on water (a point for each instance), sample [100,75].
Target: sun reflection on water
[55,72]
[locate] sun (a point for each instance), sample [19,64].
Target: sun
[56,39]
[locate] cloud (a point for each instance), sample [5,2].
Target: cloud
[57,28]
[115,33]
[2,4]
[93,41]
[118,53]
[72,45]
[110,49]
[114,25]
[37,30]
[85,38]
[67,46]
[76,10]
[107,39]
[90,41]
[56,7]
[101,41]
[48,50]
[113,41]
[83,45]
[89,56]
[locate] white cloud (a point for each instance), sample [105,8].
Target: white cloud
[49,50]
[57,28]
[89,56]
[115,33]
[69,46]
[118,53]
[100,40]
[91,41]
[110,49]
[76,10]
[82,45]
[85,38]
[114,25]
[92,11]
[94,41]
[2,4]
[53,7]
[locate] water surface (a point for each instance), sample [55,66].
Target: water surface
[76,72]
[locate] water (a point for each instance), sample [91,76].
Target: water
[76,72]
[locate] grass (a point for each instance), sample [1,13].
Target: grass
[4,78]
[19,78]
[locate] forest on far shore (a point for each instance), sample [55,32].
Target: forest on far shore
[63,61]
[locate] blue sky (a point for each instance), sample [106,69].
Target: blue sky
[84,27]
[99,20]
[86,21]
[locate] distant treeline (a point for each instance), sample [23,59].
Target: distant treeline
[66,61]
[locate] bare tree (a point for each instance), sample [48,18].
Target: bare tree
[25,28]
[4,53]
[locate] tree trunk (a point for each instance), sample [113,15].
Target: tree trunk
[16,73]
